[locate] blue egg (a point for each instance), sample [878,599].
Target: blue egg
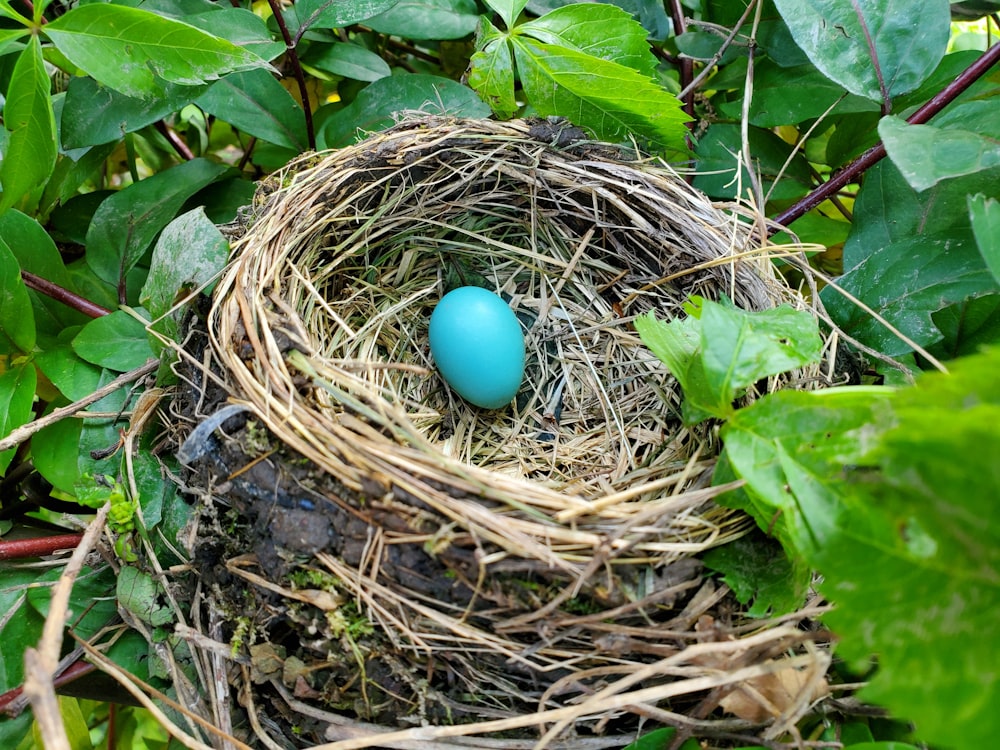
[478,347]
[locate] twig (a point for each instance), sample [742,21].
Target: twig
[300,78]
[855,169]
[23,432]
[40,664]
[60,294]
[686,63]
[183,150]
[15,549]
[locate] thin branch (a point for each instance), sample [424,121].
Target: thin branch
[686,63]
[16,549]
[68,298]
[872,156]
[182,149]
[300,78]
[23,432]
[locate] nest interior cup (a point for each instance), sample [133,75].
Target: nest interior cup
[469,558]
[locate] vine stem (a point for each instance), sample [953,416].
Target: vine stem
[876,153]
[686,63]
[300,78]
[61,294]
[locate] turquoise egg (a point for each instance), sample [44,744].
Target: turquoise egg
[478,347]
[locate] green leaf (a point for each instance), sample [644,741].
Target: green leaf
[377,104]
[30,154]
[508,10]
[20,627]
[90,602]
[662,739]
[17,321]
[134,51]
[491,70]
[72,375]
[54,452]
[254,102]
[348,61]
[984,214]
[139,593]
[609,99]
[240,26]
[906,282]
[117,341]
[127,222]
[758,570]
[17,394]
[93,114]
[915,568]
[188,255]
[925,154]
[428,19]
[325,14]
[967,326]
[792,447]
[873,49]
[596,29]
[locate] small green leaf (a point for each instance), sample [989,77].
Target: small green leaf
[985,216]
[30,154]
[873,49]
[254,102]
[133,51]
[491,70]
[758,570]
[508,10]
[378,103]
[117,341]
[17,321]
[347,60]
[611,100]
[139,593]
[602,31]
[427,19]
[54,452]
[925,154]
[188,255]
[127,222]
[91,605]
[17,394]
[662,739]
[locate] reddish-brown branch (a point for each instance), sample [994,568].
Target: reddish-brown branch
[14,549]
[10,705]
[853,171]
[686,63]
[60,294]
[300,78]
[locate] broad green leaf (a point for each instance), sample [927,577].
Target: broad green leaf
[126,223]
[348,61]
[985,216]
[609,99]
[30,154]
[377,104]
[925,154]
[428,19]
[791,447]
[967,326]
[9,37]
[91,604]
[325,14]
[739,348]
[257,104]
[240,26]
[102,433]
[508,10]
[188,255]
[36,253]
[17,394]
[72,375]
[873,48]
[93,114]
[117,341]
[54,451]
[771,105]
[914,570]
[906,282]
[758,570]
[491,70]
[20,627]
[17,321]
[134,51]
[596,29]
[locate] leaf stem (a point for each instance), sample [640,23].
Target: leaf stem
[855,169]
[60,294]
[300,78]
[175,140]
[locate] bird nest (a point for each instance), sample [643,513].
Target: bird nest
[391,563]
